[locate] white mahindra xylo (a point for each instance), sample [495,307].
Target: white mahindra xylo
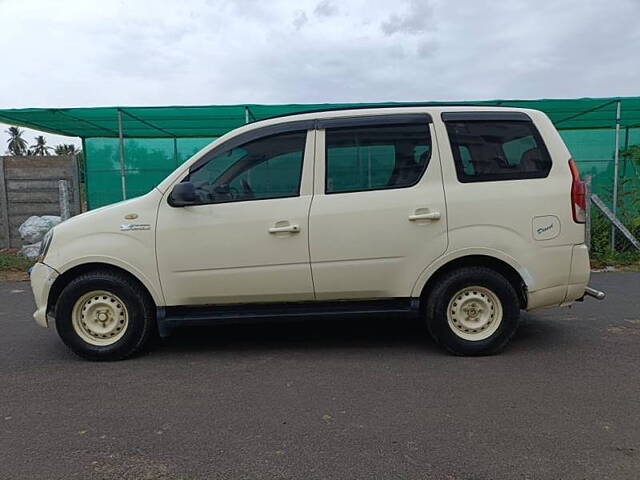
[462,216]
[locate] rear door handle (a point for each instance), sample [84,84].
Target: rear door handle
[285,229]
[425,216]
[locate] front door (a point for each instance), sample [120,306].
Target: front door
[246,238]
[378,216]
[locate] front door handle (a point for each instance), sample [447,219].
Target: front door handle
[285,229]
[425,216]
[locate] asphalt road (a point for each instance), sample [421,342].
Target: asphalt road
[364,399]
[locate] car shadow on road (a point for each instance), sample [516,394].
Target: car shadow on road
[537,332]
[314,334]
[405,334]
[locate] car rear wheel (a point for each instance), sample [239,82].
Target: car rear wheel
[105,315]
[472,311]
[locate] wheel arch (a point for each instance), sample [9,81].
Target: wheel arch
[68,275]
[509,271]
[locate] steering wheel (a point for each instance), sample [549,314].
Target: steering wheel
[246,188]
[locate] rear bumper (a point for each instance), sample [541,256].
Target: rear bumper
[572,290]
[579,275]
[42,277]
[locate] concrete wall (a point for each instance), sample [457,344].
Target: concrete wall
[29,186]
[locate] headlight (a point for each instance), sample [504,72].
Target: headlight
[44,246]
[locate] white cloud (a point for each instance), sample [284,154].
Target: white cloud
[300,18]
[417,19]
[91,52]
[325,8]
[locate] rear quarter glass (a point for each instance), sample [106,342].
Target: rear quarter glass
[497,149]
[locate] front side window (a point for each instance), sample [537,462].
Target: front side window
[269,167]
[376,157]
[497,150]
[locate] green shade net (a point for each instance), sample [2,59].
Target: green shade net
[157,139]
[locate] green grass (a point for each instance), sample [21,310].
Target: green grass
[601,254]
[626,260]
[10,260]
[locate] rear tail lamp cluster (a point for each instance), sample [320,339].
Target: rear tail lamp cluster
[578,199]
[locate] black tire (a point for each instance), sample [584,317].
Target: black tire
[141,327]
[447,286]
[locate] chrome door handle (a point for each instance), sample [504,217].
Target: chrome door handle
[285,229]
[425,216]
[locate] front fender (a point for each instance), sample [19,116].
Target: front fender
[149,283]
[121,235]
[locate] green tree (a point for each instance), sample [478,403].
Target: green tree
[17,145]
[632,154]
[71,149]
[40,148]
[67,149]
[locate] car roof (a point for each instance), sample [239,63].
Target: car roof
[379,110]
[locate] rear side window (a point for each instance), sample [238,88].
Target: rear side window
[376,157]
[493,150]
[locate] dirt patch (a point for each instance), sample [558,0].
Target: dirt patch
[13,276]
[624,330]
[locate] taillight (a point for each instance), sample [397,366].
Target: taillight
[578,200]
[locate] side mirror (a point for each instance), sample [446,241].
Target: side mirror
[183,194]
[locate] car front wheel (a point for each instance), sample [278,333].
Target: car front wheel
[105,315]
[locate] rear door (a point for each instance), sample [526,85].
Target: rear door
[508,195]
[378,215]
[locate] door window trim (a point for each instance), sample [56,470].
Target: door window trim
[373,120]
[246,137]
[486,116]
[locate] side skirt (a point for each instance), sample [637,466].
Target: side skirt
[201,315]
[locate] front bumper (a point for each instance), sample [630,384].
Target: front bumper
[42,277]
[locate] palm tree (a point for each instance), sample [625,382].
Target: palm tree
[40,147]
[66,149]
[17,144]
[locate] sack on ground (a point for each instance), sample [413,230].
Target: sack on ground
[34,228]
[31,251]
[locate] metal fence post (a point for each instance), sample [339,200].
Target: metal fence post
[83,182]
[122,169]
[616,159]
[587,201]
[175,152]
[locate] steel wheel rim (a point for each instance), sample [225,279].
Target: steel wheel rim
[474,313]
[100,318]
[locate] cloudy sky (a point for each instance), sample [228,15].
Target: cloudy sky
[87,53]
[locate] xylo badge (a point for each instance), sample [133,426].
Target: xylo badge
[128,227]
